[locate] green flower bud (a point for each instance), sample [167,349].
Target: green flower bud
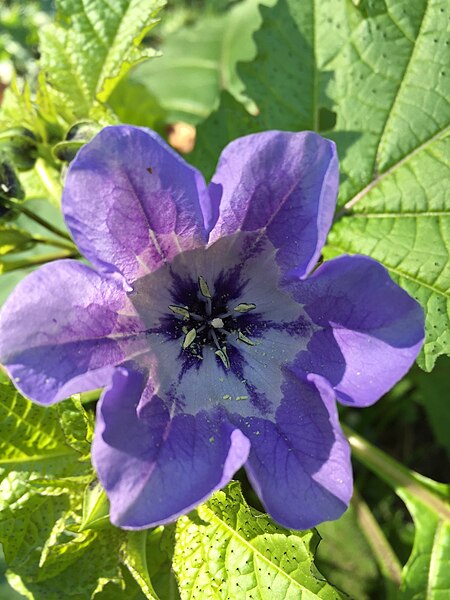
[20,145]
[78,135]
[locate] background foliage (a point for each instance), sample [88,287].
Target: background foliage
[372,75]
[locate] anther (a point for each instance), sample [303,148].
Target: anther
[180,310]
[245,339]
[189,338]
[222,354]
[204,289]
[243,307]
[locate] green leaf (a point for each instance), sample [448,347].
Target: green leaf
[381,68]
[160,548]
[287,79]
[77,425]
[32,440]
[391,89]
[134,555]
[426,574]
[95,508]
[91,47]
[432,393]
[13,239]
[346,559]
[43,476]
[223,125]
[199,61]
[134,104]
[37,472]
[228,550]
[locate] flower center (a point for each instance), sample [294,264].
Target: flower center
[210,322]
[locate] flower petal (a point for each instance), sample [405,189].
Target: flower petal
[300,464]
[131,203]
[60,331]
[371,330]
[154,466]
[284,184]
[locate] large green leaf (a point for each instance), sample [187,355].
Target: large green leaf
[380,66]
[92,46]
[199,61]
[295,44]
[228,550]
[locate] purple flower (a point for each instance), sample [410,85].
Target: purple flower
[215,344]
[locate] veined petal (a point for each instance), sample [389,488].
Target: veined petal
[155,466]
[62,331]
[299,464]
[131,203]
[283,184]
[371,330]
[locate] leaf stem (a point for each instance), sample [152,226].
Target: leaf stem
[394,473]
[43,222]
[387,560]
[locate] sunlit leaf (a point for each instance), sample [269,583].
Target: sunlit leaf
[91,47]
[228,550]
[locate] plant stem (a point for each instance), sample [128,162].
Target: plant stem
[35,261]
[43,222]
[394,473]
[387,560]
[53,242]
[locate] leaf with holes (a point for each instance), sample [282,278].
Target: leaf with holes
[228,550]
[91,47]
[288,78]
[378,68]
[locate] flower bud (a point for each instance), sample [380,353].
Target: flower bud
[78,135]
[9,188]
[20,145]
